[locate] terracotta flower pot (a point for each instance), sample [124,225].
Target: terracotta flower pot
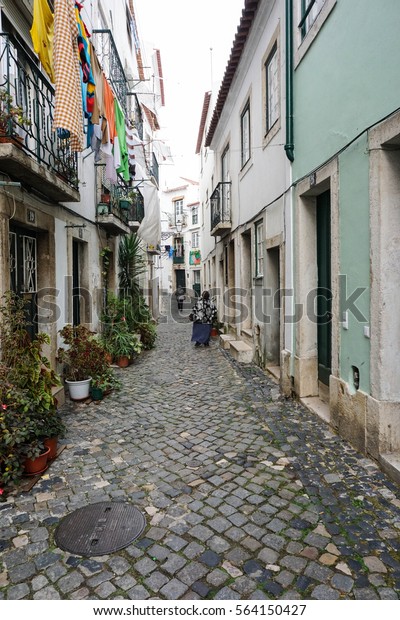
[214,332]
[37,465]
[51,442]
[123,361]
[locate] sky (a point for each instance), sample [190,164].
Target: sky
[195,39]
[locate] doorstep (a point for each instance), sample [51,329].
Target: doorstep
[318,406]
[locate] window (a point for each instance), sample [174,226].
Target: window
[195,215]
[309,12]
[245,134]
[195,240]
[196,276]
[259,258]
[178,208]
[272,89]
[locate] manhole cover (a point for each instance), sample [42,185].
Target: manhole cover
[100,528]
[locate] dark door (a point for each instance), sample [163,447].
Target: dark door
[23,272]
[76,307]
[180,278]
[324,300]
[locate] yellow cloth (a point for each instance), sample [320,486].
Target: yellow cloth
[42,35]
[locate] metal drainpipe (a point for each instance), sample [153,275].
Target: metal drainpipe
[289,146]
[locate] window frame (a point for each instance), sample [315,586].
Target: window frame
[303,43]
[245,134]
[195,237]
[259,249]
[195,215]
[273,55]
[178,209]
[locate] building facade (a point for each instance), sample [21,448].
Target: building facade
[180,263]
[244,177]
[62,207]
[299,188]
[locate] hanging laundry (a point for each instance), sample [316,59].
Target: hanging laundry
[68,111]
[42,33]
[110,131]
[98,105]
[85,60]
[123,167]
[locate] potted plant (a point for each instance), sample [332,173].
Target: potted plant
[83,360]
[28,407]
[124,343]
[11,115]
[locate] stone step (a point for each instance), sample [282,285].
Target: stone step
[241,351]
[225,339]
[390,463]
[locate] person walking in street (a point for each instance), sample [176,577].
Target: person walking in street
[180,297]
[204,313]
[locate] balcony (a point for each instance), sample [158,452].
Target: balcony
[30,152]
[113,218]
[110,61]
[220,202]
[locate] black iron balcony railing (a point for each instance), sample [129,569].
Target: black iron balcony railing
[108,56]
[220,202]
[23,86]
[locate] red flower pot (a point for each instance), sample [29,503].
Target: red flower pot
[37,465]
[123,361]
[51,442]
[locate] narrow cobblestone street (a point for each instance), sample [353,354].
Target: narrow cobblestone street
[246,495]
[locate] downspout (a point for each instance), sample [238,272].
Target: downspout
[289,146]
[289,150]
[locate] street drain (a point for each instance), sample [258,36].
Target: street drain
[100,528]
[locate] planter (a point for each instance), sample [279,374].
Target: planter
[96,393]
[79,390]
[102,208]
[123,361]
[37,465]
[109,358]
[214,332]
[51,442]
[106,198]
[125,204]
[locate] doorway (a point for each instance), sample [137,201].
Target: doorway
[324,287]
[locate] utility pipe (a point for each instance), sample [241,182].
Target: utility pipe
[289,146]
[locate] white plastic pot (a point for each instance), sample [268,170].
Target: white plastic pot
[79,390]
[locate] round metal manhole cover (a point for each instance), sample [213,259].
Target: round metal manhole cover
[100,528]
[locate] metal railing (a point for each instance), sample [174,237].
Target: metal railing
[110,61]
[220,202]
[23,85]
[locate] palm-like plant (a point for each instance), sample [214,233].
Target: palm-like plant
[131,264]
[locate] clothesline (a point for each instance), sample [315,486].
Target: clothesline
[82,91]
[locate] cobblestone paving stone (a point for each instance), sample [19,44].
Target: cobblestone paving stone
[246,495]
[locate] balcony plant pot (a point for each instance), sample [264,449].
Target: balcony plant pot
[51,442]
[102,208]
[125,204]
[106,198]
[79,390]
[38,464]
[123,361]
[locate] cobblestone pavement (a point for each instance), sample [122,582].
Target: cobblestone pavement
[246,495]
